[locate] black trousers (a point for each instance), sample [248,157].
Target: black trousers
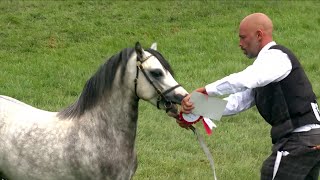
[299,160]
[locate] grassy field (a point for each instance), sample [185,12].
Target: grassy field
[49,49]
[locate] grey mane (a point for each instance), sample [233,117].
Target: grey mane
[102,81]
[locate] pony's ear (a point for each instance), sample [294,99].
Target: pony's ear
[139,50]
[154,46]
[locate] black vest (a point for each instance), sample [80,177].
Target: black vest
[286,105]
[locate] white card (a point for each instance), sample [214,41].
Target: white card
[206,106]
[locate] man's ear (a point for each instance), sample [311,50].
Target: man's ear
[259,34]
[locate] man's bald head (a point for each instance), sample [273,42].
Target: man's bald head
[258,21]
[255,31]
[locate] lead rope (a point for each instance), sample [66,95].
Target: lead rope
[205,150]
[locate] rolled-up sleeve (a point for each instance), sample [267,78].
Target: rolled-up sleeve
[238,102]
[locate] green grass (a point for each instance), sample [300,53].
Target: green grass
[48,49]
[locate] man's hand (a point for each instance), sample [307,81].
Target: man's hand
[186,105]
[202,90]
[317,147]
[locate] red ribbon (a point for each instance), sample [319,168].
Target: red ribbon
[206,127]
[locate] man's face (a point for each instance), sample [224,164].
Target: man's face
[249,42]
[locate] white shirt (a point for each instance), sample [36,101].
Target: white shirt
[271,65]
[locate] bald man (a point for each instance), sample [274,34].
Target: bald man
[277,85]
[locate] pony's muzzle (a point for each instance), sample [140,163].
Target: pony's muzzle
[168,104]
[176,98]
[173,111]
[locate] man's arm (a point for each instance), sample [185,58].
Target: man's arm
[271,66]
[239,102]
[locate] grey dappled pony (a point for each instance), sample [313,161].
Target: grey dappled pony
[93,138]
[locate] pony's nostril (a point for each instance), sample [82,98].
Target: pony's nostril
[168,104]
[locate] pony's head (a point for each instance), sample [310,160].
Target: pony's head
[154,80]
[143,74]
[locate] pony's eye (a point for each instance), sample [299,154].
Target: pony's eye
[156,73]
